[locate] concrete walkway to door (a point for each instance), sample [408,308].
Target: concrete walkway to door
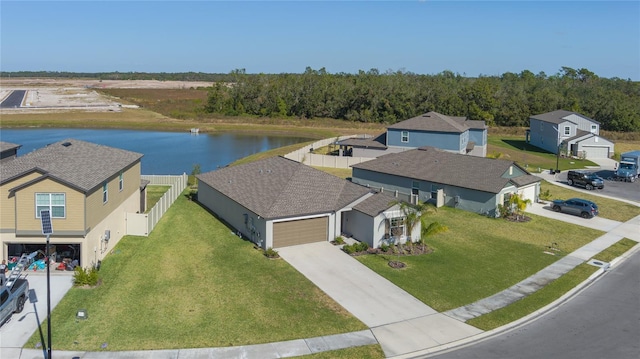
[401,323]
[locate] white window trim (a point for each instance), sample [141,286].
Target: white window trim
[403,138]
[567,129]
[121,182]
[64,206]
[105,192]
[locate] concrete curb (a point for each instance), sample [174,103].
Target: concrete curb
[524,320]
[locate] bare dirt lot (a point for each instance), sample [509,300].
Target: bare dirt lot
[54,95]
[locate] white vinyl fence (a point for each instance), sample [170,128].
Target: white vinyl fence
[141,224]
[305,156]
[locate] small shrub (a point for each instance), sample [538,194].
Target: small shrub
[85,276]
[349,248]
[361,247]
[271,253]
[338,240]
[545,195]
[384,247]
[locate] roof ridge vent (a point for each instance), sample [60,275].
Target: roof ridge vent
[66,144]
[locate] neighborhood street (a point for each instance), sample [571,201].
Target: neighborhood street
[602,321]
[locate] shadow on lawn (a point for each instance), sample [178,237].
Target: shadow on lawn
[524,146]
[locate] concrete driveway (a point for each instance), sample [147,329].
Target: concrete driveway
[15,333]
[401,323]
[599,223]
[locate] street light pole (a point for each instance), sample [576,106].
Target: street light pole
[47,229]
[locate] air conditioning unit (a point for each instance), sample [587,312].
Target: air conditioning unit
[107,235]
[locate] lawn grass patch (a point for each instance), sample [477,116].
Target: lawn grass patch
[549,293]
[192,283]
[154,193]
[479,256]
[362,352]
[608,208]
[515,148]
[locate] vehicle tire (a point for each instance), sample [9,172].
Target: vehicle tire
[584,215]
[20,304]
[556,208]
[570,182]
[589,187]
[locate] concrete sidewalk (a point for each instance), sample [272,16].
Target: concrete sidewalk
[401,323]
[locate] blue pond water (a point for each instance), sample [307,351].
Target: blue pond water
[164,152]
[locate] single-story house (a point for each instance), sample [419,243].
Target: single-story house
[428,174]
[569,133]
[449,133]
[8,150]
[87,189]
[277,202]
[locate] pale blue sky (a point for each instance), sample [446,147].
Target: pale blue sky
[424,37]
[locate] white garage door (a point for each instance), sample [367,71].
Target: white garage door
[596,152]
[302,231]
[528,193]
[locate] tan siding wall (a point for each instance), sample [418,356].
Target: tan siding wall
[26,207]
[97,210]
[8,204]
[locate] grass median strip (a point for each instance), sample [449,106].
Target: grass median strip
[549,293]
[192,284]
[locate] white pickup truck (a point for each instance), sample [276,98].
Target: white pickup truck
[15,289]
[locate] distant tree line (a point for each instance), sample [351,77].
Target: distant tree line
[392,96]
[506,100]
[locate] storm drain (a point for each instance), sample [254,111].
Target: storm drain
[601,264]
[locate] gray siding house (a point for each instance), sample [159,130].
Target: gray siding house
[277,202]
[449,133]
[467,182]
[570,133]
[8,150]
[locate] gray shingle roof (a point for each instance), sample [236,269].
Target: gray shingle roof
[6,146]
[525,180]
[558,116]
[80,164]
[277,187]
[372,142]
[433,165]
[376,204]
[433,121]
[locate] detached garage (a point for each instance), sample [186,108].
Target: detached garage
[277,202]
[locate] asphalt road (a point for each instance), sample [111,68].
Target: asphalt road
[602,321]
[626,190]
[14,99]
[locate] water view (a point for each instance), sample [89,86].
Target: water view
[164,152]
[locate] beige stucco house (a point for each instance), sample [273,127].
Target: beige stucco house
[87,188]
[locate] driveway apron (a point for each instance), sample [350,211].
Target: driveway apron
[401,323]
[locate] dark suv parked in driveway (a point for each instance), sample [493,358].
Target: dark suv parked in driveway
[585,179]
[577,206]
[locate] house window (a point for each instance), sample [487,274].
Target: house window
[434,191]
[404,136]
[415,188]
[397,227]
[594,128]
[121,182]
[567,130]
[54,202]
[105,193]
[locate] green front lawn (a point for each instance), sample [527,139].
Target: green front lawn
[479,257]
[608,208]
[191,284]
[551,292]
[516,149]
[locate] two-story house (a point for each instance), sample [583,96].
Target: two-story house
[569,133]
[449,133]
[87,189]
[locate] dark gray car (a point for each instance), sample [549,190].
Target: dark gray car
[578,206]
